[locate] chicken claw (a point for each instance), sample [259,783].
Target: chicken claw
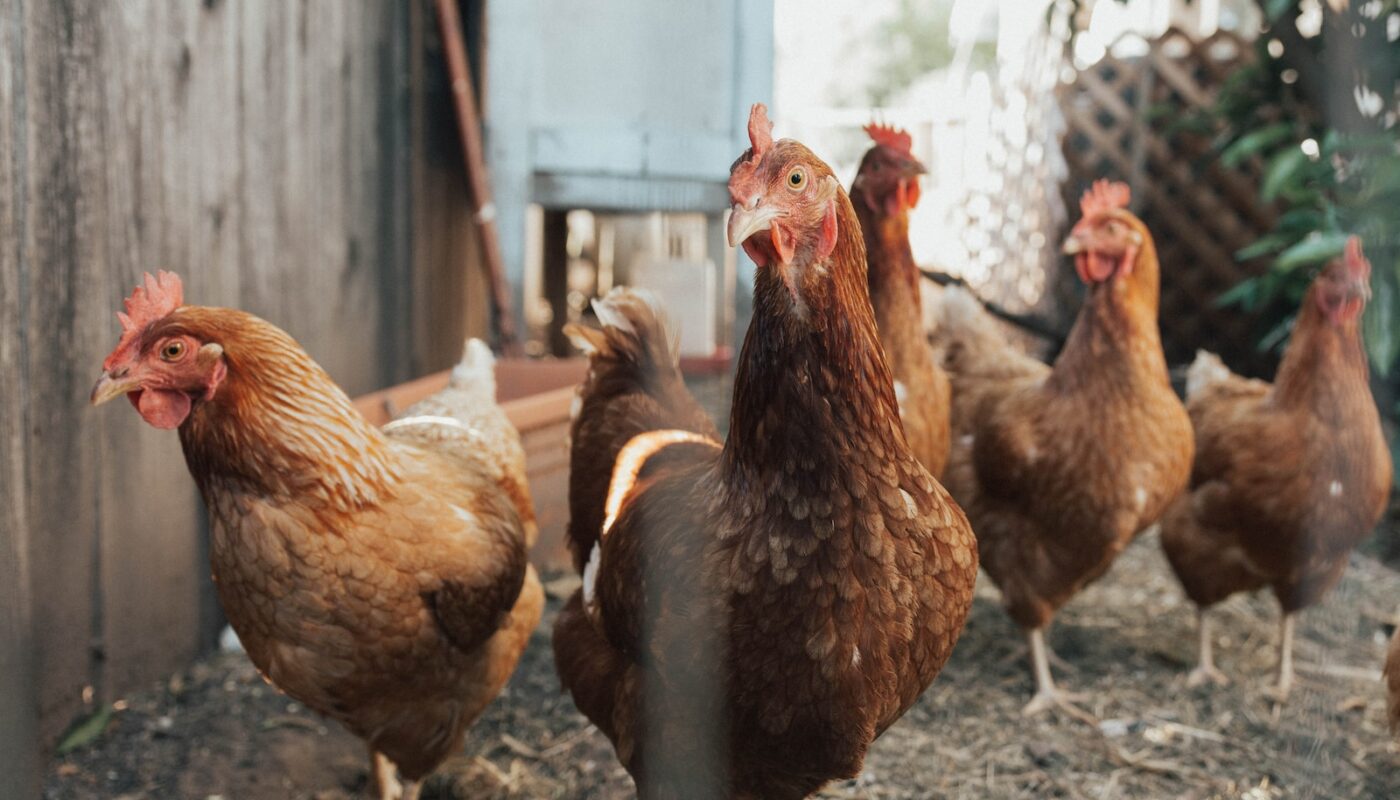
[385,778]
[1205,673]
[1047,695]
[1068,702]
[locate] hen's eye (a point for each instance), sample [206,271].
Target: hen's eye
[796,180]
[172,350]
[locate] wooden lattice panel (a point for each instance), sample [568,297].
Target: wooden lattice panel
[1123,118]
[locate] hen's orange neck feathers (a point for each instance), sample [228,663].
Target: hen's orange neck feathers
[889,255]
[1325,366]
[1118,323]
[279,425]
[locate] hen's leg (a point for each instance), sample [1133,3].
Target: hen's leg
[1279,691]
[1047,696]
[411,789]
[386,778]
[1205,672]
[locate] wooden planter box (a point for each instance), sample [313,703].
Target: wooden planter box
[536,396]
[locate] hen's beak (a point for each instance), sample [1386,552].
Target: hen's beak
[1073,246]
[114,384]
[745,222]
[913,169]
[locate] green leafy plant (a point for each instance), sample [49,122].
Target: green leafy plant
[1318,114]
[1343,185]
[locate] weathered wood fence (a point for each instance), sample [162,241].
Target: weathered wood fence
[1124,120]
[296,159]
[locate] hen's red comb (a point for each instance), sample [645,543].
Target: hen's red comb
[153,300]
[760,130]
[891,137]
[742,176]
[159,296]
[1104,196]
[1355,260]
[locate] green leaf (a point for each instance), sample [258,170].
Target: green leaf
[84,732]
[1277,336]
[1311,250]
[1382,341]
[1245,293]
[1281,170]
[1268,244]
[1382,179]
[1299,221]
[1255,142]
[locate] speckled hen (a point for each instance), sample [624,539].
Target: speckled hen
[379,577]
[755,613]
[1060,467]
[1289,477]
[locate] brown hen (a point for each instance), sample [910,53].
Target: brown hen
[1288,478]
[885,190]
[378,577]
[756,613]
[1060,467]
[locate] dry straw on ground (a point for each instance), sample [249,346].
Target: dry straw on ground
[217,729]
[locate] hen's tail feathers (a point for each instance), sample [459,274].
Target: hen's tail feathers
[1205,371]
[634,329]
[477,369]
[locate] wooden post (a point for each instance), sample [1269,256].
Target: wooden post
[556,278]
[469,124]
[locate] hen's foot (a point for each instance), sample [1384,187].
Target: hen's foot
[385,777]
[1054,699]
[1207,673]
[1279,692]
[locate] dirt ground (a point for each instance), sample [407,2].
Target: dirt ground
[217,731]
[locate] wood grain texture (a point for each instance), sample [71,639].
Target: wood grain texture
[265,151]
[19,751]
[62,257]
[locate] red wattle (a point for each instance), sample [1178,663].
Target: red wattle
[754,247]
[162,408]
[1093,267]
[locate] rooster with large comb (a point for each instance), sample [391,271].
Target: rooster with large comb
[1060,466]
[754,613]
[1289,476]
[377,576]
[885,190]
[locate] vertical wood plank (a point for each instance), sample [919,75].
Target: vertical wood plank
[389,147]
[150,517]
[19,748]
[263,150]
[67,308]
[449,289]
